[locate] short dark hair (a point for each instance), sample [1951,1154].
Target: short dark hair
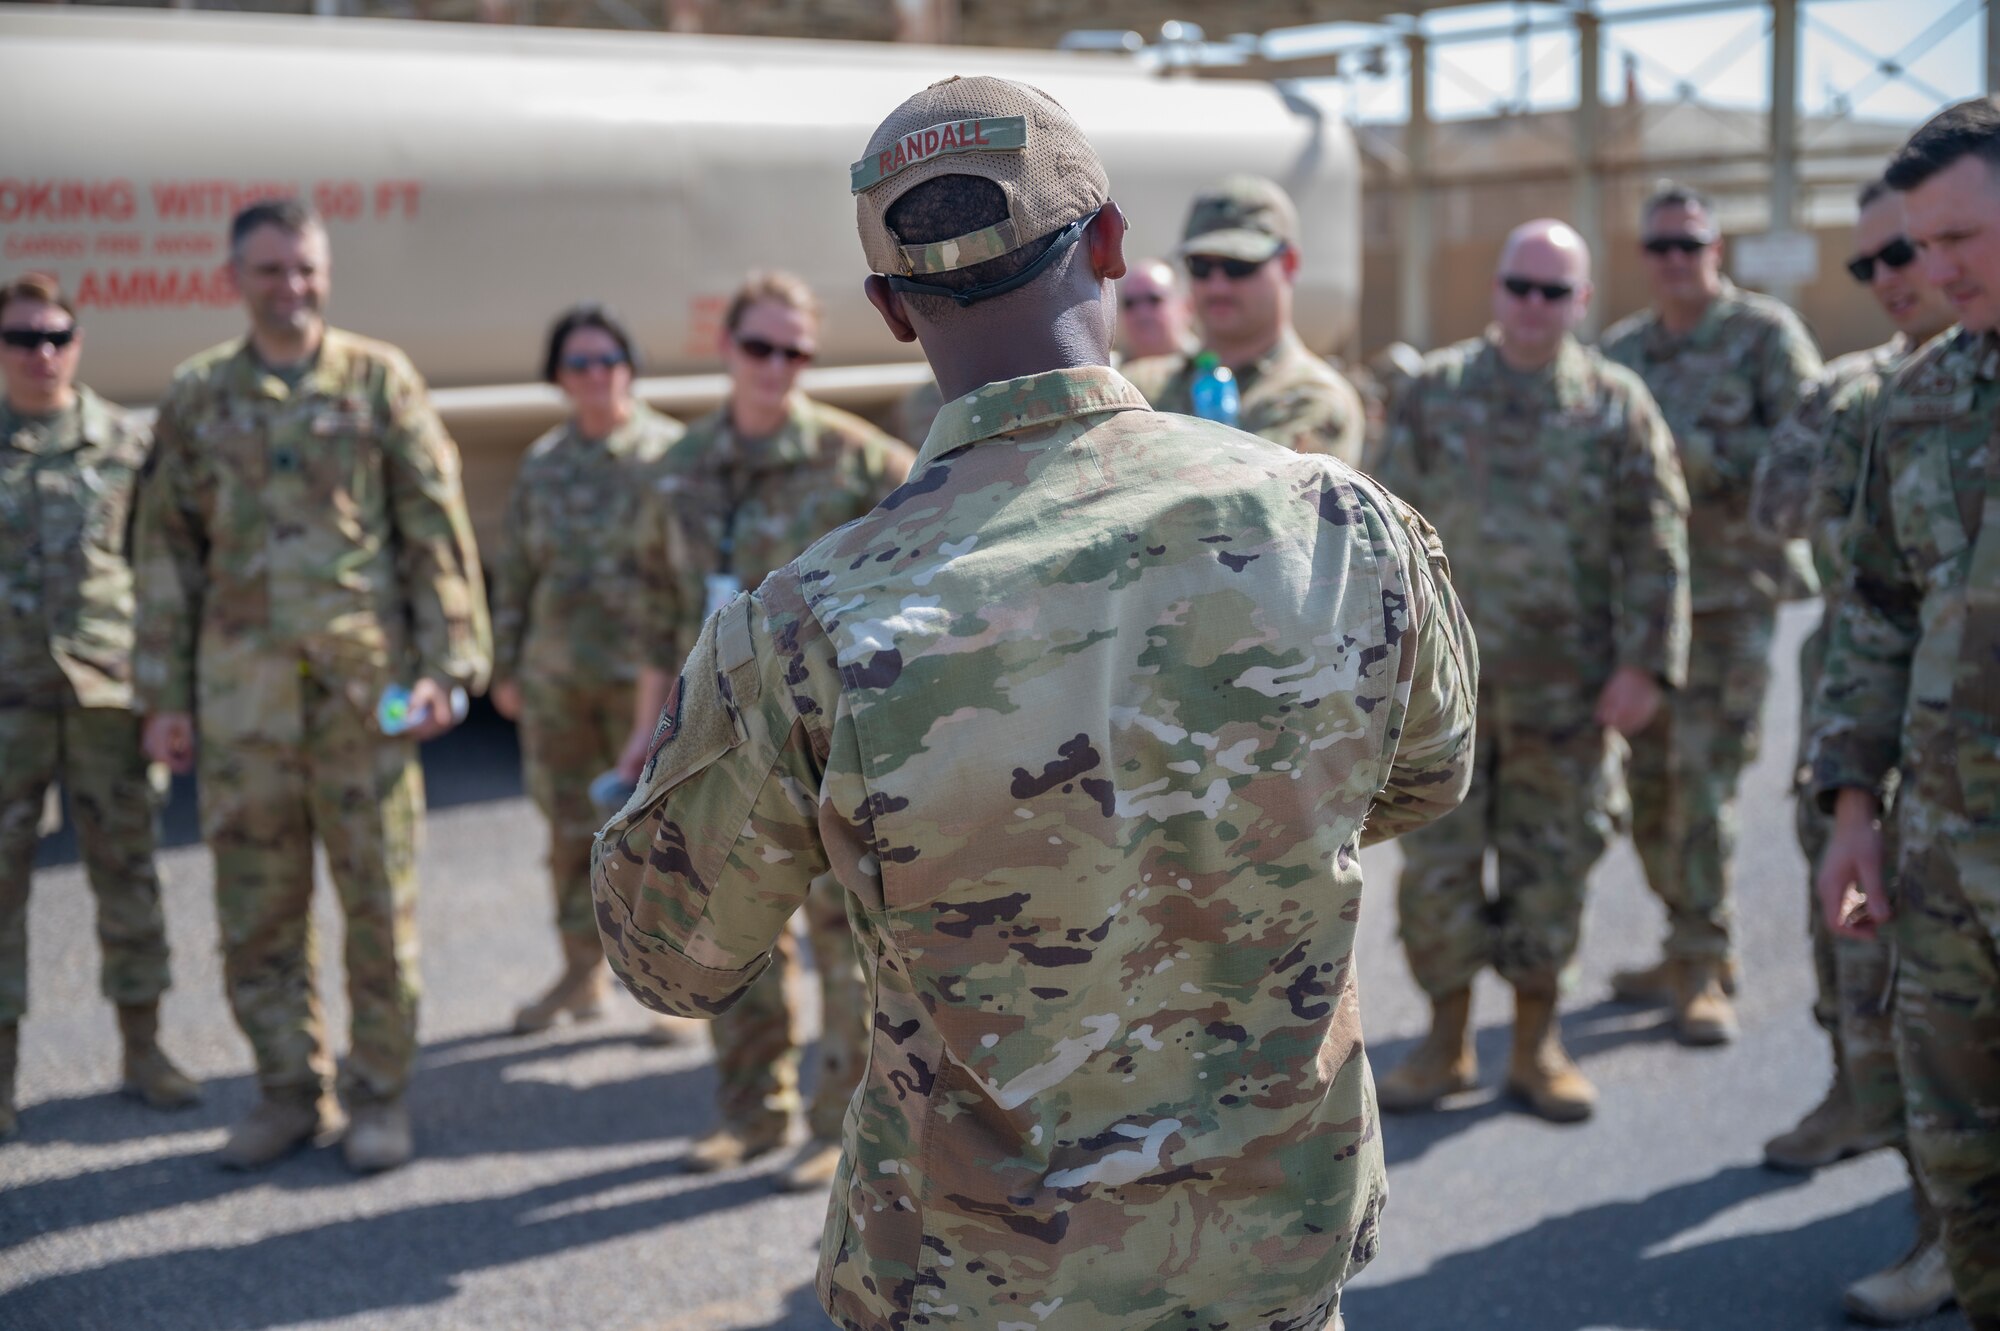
[947,207]
[587,315]
[1970,129]
[1870,192]
[1673,194]
[294,216]
[42,287]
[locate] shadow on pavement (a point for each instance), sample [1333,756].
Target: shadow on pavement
[463,1102]
[1625,1265]
[481,760]
[1587,1032]
[350,1267]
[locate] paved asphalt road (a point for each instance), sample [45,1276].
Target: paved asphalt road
[547,1195]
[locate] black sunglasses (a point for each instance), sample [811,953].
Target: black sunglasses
[1659,245]
[1143,298]
[1552,292]
[1898,253]
[31,339]
[756,348]
[609,360]
[1199,266]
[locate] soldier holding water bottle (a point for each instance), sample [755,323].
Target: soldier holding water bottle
[1241,250]
[303,554]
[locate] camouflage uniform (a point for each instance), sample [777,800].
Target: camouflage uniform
[1805,487]
[1086,721]
[1723,387]
[1910,685]
[66,490]
[1290,397]
[566,590]
[1488,453]
[741,509]
[300,547]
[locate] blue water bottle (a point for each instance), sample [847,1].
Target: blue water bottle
[1215,396]
[394,716]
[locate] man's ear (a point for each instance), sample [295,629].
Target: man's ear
[889,305]
[1106,237]
[1288,262]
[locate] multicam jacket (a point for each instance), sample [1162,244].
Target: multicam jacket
[1723,387]
[67,485]
[1089,719]
[738,509]
[1290,397]
[318,529]
[1558,495]
[567,586]
[1912,672]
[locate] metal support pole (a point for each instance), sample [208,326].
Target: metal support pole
[1587,199]
[1784,125]
[1415,287]
[1992,48]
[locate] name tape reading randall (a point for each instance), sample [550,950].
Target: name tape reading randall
[993,134]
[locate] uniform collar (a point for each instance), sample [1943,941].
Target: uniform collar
[325,377]
[48,436]
[1661,344]
[1286,347]
[1018,404]
[1565,372]
[788,446]
[624,440]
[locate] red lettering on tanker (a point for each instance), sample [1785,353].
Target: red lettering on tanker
[123,244]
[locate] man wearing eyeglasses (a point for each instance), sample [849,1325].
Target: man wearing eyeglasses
[1582,624]
[69,468]
[1726,367]
[303,545]
[1241,251]
[1806,487]
[1085,722]
[747,489]
[1911,686]
[1154,318]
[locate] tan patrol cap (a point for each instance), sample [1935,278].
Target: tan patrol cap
[1245,217]
[1018,137]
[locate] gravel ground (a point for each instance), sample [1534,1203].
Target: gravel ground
[546,1192]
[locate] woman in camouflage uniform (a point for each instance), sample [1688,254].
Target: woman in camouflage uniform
[565,589]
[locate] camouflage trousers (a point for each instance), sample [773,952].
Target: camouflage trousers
[95,752]
[757,1040]
[1541,801]
[1853,1000]
[263,801]
[1947,935]
[1683,774]
[572,731]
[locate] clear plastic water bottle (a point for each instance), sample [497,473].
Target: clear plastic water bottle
[1215,395]
[395,716]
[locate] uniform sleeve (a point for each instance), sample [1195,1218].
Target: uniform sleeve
[169,565]
[1431,725]
[1855,725]
[670,586]
[436,556]
[513,587]
[1649,513]
[1399,462]
[1322,417]
[1782,485]
[1787,362]
[697,878]
[1835,484]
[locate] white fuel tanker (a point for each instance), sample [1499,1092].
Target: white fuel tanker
[477,180]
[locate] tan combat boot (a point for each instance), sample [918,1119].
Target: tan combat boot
[1653,986]
[378,1137]
[816,1164]
[1442,1065]
[281,1122]
[727,1147]
[578,991]
[1703,1014]
[665,1030]
[149,1074]
[1539,1070]
[10,1054]
[1831,1130]
[1917,1285]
